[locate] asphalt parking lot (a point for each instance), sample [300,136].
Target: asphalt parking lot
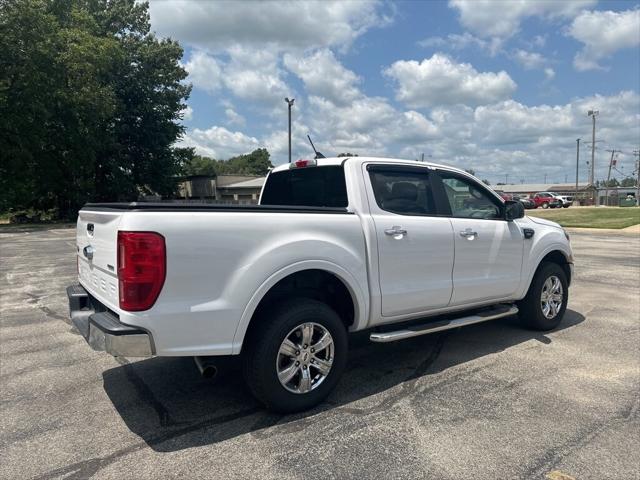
[485,402]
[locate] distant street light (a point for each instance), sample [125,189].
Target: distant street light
[290,104]
[577,165]
[593,114]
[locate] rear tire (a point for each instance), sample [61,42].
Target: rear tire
[547,298]
[288,352]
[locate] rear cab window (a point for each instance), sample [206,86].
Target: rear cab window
[314,186]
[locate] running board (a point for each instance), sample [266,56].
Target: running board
[417,330]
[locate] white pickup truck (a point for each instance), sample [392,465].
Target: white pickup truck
[395,247]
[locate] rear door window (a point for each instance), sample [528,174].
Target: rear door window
[402,191]
[307,187]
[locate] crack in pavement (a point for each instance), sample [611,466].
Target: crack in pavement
[583,437]
[87,468]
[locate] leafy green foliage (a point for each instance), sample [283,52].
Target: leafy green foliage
[254,163]
[90,104]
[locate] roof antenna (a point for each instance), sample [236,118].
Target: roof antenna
[318,154]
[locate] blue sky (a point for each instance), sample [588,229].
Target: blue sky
[498,86]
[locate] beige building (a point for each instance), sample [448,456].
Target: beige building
[221,188]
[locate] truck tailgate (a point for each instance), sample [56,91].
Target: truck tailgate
[96,238]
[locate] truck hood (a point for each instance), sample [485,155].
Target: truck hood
[542,221]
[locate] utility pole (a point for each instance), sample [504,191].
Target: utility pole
[545,179]
[290,104]
[636,153]
[577,166]
[506,178]
[592,172]
[606,185]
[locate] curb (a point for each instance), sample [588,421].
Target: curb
[632,231]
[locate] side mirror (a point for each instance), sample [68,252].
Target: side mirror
[513,209]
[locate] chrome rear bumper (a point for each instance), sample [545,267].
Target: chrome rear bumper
[102,330]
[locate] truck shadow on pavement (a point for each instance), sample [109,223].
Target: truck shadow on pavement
[167,403]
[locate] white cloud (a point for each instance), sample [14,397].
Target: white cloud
[440,81]
[455,41]
[539,41]
[249,74]
[505,137]
[502,19]
[254,75]
[534,61]
[205,72]
[280,25]
[529,60]
[368,125]
[238,46]
[529,141]
[187,113]
[550,73]
[234,118]
[602,34]
[325,76]
[220,143]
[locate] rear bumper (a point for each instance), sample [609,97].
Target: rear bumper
[102,330]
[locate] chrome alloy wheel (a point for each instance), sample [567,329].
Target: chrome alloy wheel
[305,357]
[552,297]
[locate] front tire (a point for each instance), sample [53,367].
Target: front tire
[296,355]
[547,298]
[545,205]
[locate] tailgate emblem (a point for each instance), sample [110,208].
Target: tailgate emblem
[88,252]
[90,229]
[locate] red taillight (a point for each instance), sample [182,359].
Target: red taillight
[141,269]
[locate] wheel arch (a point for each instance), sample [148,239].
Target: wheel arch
[554,255]
[349,299]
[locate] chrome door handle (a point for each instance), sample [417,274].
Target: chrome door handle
[395,231]
[469,234]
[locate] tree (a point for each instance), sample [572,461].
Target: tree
[470,171]
[628,182]
[485,181]
[199,165]
[611,183]
[254,163]
[90,104]
[347,155]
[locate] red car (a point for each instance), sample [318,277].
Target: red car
[546,200]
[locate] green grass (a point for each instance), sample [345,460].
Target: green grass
[590,217]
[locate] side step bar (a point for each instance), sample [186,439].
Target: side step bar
[438,326]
